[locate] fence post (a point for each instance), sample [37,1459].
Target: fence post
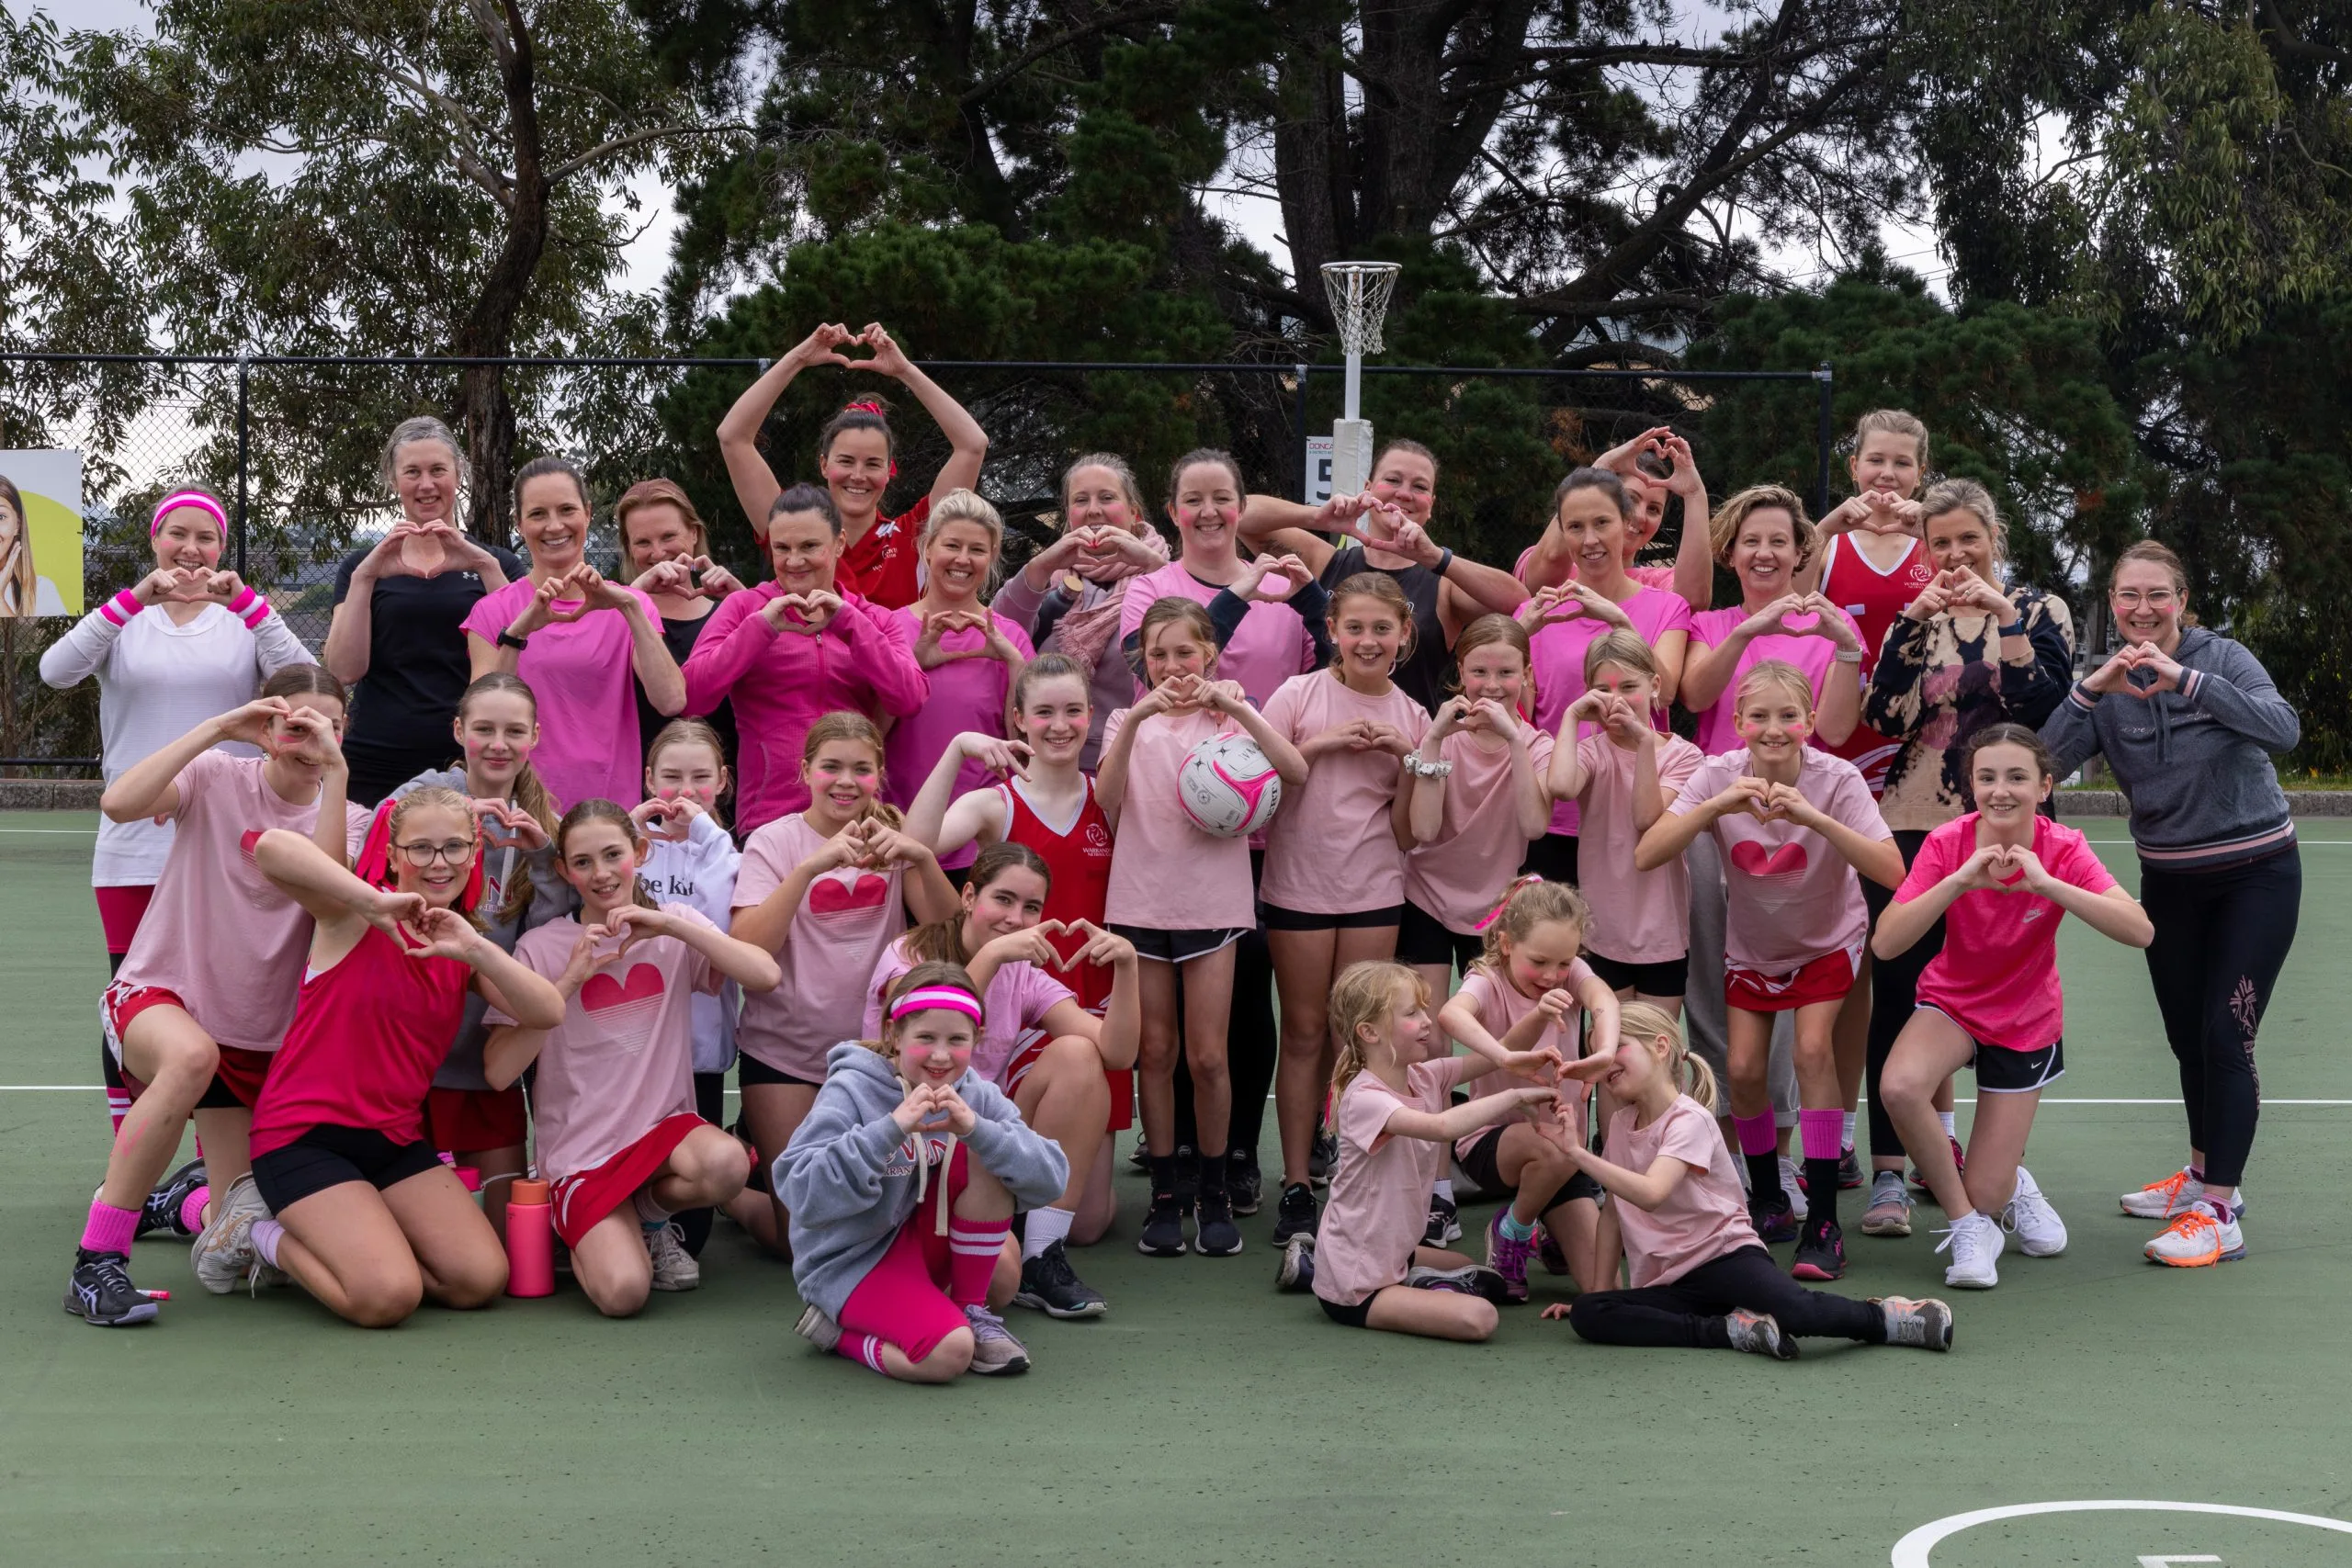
[244,449]
[1298,458]
[1826,437]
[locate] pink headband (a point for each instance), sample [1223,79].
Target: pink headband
[924,998]
[180,498]
[1504,902]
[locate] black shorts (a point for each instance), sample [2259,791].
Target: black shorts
[1181,946]
[1480,1165]
[328,1156]
[1668,977]
[1552,857]
[750,1071]
[1274,917]
[1422,938]
[1356,1317]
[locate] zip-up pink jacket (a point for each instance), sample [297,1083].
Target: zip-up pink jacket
[781,683]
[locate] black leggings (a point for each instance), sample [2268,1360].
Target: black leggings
[1689,1313]
[1894,987]
[2222,937]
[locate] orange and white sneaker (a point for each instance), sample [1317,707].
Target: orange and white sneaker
[2166,1199]
[2199,1239]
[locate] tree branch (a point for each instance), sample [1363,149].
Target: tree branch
[1153,10]
[558,172]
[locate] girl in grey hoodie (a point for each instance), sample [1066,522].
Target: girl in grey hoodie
[901,1184]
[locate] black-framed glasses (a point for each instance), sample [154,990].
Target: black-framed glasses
[456,852]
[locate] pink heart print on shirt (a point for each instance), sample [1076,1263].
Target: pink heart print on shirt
[252,836]
[830,895]
[643,983]
[1753,858]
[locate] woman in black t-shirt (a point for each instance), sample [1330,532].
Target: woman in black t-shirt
[665,553]
[397,607]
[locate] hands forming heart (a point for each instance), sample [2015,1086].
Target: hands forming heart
[2003,868]
[806,613]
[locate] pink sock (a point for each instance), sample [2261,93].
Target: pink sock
[1824,1132]
[192,1210]
[862,1348]
[972,1249]
[118,1107]
[1757,1135]
[110,1229]
[266,1233]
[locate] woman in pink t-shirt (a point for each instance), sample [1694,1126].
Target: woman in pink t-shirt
[1529,992]
[970,655]
[1333,891]
[1038,1044]
[2000,879]
[204,995]
[595,642]
[1794,825]
[827,890]
[1183,897]
[1367,1264]
[1620,779]
[1654,466]
[1477,800]
[361,1212]
[614,1095]
[1700,1277]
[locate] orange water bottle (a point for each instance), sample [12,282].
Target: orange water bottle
[530,1240]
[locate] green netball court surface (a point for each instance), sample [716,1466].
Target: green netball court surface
[1208,1420]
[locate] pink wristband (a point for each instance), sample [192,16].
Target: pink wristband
[122,608]
[250,607]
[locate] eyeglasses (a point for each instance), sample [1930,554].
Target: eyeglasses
[2155,599]
[457,852]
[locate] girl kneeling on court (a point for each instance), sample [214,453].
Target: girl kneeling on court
[364,1214]
[1366,1263]
[1990,999]
[619,1135]
[901,1184]
[1700,1277]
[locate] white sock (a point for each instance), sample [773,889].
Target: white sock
[650,1214]
[1444,1189]
[1043,1228]
[1950,1131]
[1847,1142]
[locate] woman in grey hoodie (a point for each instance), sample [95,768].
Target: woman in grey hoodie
[2190,721]
[901,1184]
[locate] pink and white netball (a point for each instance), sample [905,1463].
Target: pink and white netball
[1228,787]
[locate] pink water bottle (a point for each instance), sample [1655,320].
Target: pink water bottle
[530,1240]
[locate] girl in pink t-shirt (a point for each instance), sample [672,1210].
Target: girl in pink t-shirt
[340,1126]
[827,889]
[971,655]
[2000,879]
[1477,800]
[1794,825]
[1366,1263]
[1334,887]
[1622,779]
[1699,1278]
[1183,897]
[617,1133]
[1038,1042]
[1529,993]
[204,994]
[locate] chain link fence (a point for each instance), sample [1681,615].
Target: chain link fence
[293,446]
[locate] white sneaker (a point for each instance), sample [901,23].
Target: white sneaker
[2038,1229]
[2199,1238]
[995,1352]
[674,1268]
[1974,1241]
[2166,1199]
[223,1254]
[1797,1204]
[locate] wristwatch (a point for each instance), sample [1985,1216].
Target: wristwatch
[1444,560]
[508,639]
[1847,656]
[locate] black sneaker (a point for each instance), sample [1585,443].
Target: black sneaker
[1163,1227]
[1323,1156]
[161,1209]
[1821,1253]
[1188,1177]
[1445,1222]
[101,1293]
[1774,1219]
[1295,1213]
[1850,1169]
[1245,1181]
[1213,1233]
[1048,1284]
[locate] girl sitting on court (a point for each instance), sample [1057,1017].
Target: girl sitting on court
[1183,897]
[1700,1277]
[1795,825]
[901,1184]
[1990,998]
[1366,1265]
[362,1212]
[620,1140]
[1528,993]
